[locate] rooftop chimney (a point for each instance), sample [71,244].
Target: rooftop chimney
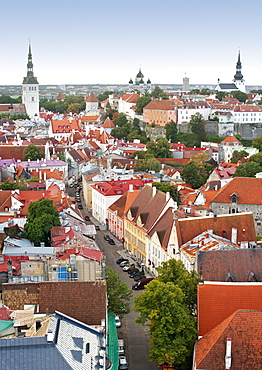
[153,191]
[228,353]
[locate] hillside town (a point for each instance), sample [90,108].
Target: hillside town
[131,227]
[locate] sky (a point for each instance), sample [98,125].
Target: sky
[106,42]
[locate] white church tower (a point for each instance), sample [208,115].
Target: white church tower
[30,94]
[238,77]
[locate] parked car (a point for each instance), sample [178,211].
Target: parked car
[87,218]
[123,263]
[118,321]
[139,277]
[80,206]
[121,347]
[128,266]
[134,273]
[97,227]
[78,200]
[121,260]
[107,237]
[132,270]
[111,242]
[141,283]
[122,363]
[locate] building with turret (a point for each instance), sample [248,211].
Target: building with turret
[238,81]
[30,90]
[139,84]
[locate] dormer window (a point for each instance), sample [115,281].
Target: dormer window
[6,209]
[234,198]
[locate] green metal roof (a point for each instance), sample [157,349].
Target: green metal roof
[112,348]
[5,324]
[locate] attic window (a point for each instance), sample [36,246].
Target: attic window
[234,198]
[6,209]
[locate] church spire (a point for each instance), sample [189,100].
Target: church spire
[238,76]
[30,78]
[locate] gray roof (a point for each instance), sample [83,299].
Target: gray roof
[227,86]
[29,354]
[64,347]
[21,247]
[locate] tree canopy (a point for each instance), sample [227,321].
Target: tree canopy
[239,95]
[33,153]
[257,143]
[167,306]
[159,148]
[248,169]
[42,216]
[141,103]
[238,156]
[191,174]
[171,131]
[149,163]
[118,293]
[174,193]
[197,124]
[158,93]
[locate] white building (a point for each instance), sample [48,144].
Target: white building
[30,91]
[190,108]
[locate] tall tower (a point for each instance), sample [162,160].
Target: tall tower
[185,84]
[30,93]
[238,77]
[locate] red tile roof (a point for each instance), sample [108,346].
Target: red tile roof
[160,105]
[216,301]
[108,123]
[230,140]
[92,98]
[64,125]
[244,264]
[244,329]
[109,188]
[247,189]
[222,225]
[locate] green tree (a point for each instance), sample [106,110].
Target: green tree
[61,156]
[248,169]
[166,306]
[32,152]
[141,103]
[257,143]
[121,120]
[191,174]
[197,124]
[158,93]
[74,108]
[174,193]
[159,149]
[238,156]
[256,158]
[220,95]
[118,293]
[42,216]
[104,95]
[239,95]
[175,272]
[139,154]
[171,131]
[147,164]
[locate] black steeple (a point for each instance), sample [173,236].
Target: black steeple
[238,76]
[30,78]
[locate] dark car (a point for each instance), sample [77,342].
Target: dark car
[132,274]
[87,218]
[97,227]
[139,277]
[78,200]
[121,260]
[111,242]
[107,237]
[141,283]
[132,270]
[80,206]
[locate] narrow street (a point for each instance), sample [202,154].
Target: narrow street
[136,337]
